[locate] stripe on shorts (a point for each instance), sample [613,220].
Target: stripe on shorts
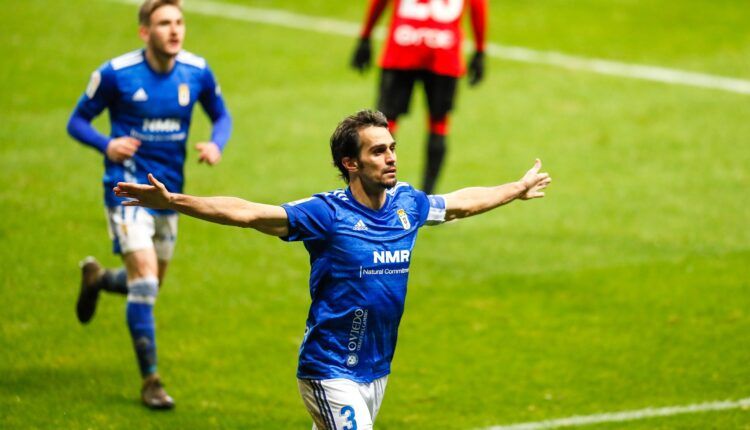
[324,399]
[319,402]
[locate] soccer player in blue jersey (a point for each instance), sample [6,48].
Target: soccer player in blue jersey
[360,241]
[150,94]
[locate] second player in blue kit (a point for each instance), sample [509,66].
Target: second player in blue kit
[149,94]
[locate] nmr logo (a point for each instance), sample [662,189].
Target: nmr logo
[398,256]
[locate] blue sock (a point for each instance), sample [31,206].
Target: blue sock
[115,281]
[140,316]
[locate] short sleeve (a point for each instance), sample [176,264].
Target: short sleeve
[309,219]
[431,208]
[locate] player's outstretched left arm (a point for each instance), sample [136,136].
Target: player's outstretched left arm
[475,200]
[234,211]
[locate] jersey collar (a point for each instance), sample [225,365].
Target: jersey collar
[355,202]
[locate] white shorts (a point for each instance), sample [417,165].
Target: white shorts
[341,404]
[133,228]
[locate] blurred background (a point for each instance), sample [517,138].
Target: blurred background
[626,287]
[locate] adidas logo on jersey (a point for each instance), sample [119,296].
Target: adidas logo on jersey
[360,226]
[140,95]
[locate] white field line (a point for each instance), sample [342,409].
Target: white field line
[616,417]
[605,67]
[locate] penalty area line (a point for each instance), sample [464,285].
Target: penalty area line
[616,417]
[510,53]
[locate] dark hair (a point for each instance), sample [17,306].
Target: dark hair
[149,6]
[345,139]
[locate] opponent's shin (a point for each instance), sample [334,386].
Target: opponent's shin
[436,149]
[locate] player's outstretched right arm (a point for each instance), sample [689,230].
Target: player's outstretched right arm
[234,211]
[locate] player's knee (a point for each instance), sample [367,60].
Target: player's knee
[142,263]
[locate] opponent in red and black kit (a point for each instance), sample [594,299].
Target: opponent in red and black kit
[424,44]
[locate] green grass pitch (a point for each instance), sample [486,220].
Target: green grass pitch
[627,287]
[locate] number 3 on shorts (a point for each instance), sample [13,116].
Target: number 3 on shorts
[348,413]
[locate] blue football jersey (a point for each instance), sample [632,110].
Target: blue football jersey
[155,108]
[359,260]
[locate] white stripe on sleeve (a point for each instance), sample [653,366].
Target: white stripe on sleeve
[437,210]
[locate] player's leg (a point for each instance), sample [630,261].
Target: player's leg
[435,153]
[394,95]
[163,264]
[165,238]
[134,229]
[88,294]
[143,288]
[115,280]
[336,404]
[440,91]
[95,278]
[373,394]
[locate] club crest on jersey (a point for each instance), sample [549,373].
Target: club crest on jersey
[404,219]
[352,360]
[183,95]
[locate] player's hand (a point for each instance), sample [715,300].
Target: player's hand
[153,196]
[534,182]
[476,68]
[120,149]
[362,55]
[208,152]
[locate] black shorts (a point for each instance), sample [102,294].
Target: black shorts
[396,87]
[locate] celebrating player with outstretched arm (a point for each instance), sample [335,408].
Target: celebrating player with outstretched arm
[360,241]
[150,94]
